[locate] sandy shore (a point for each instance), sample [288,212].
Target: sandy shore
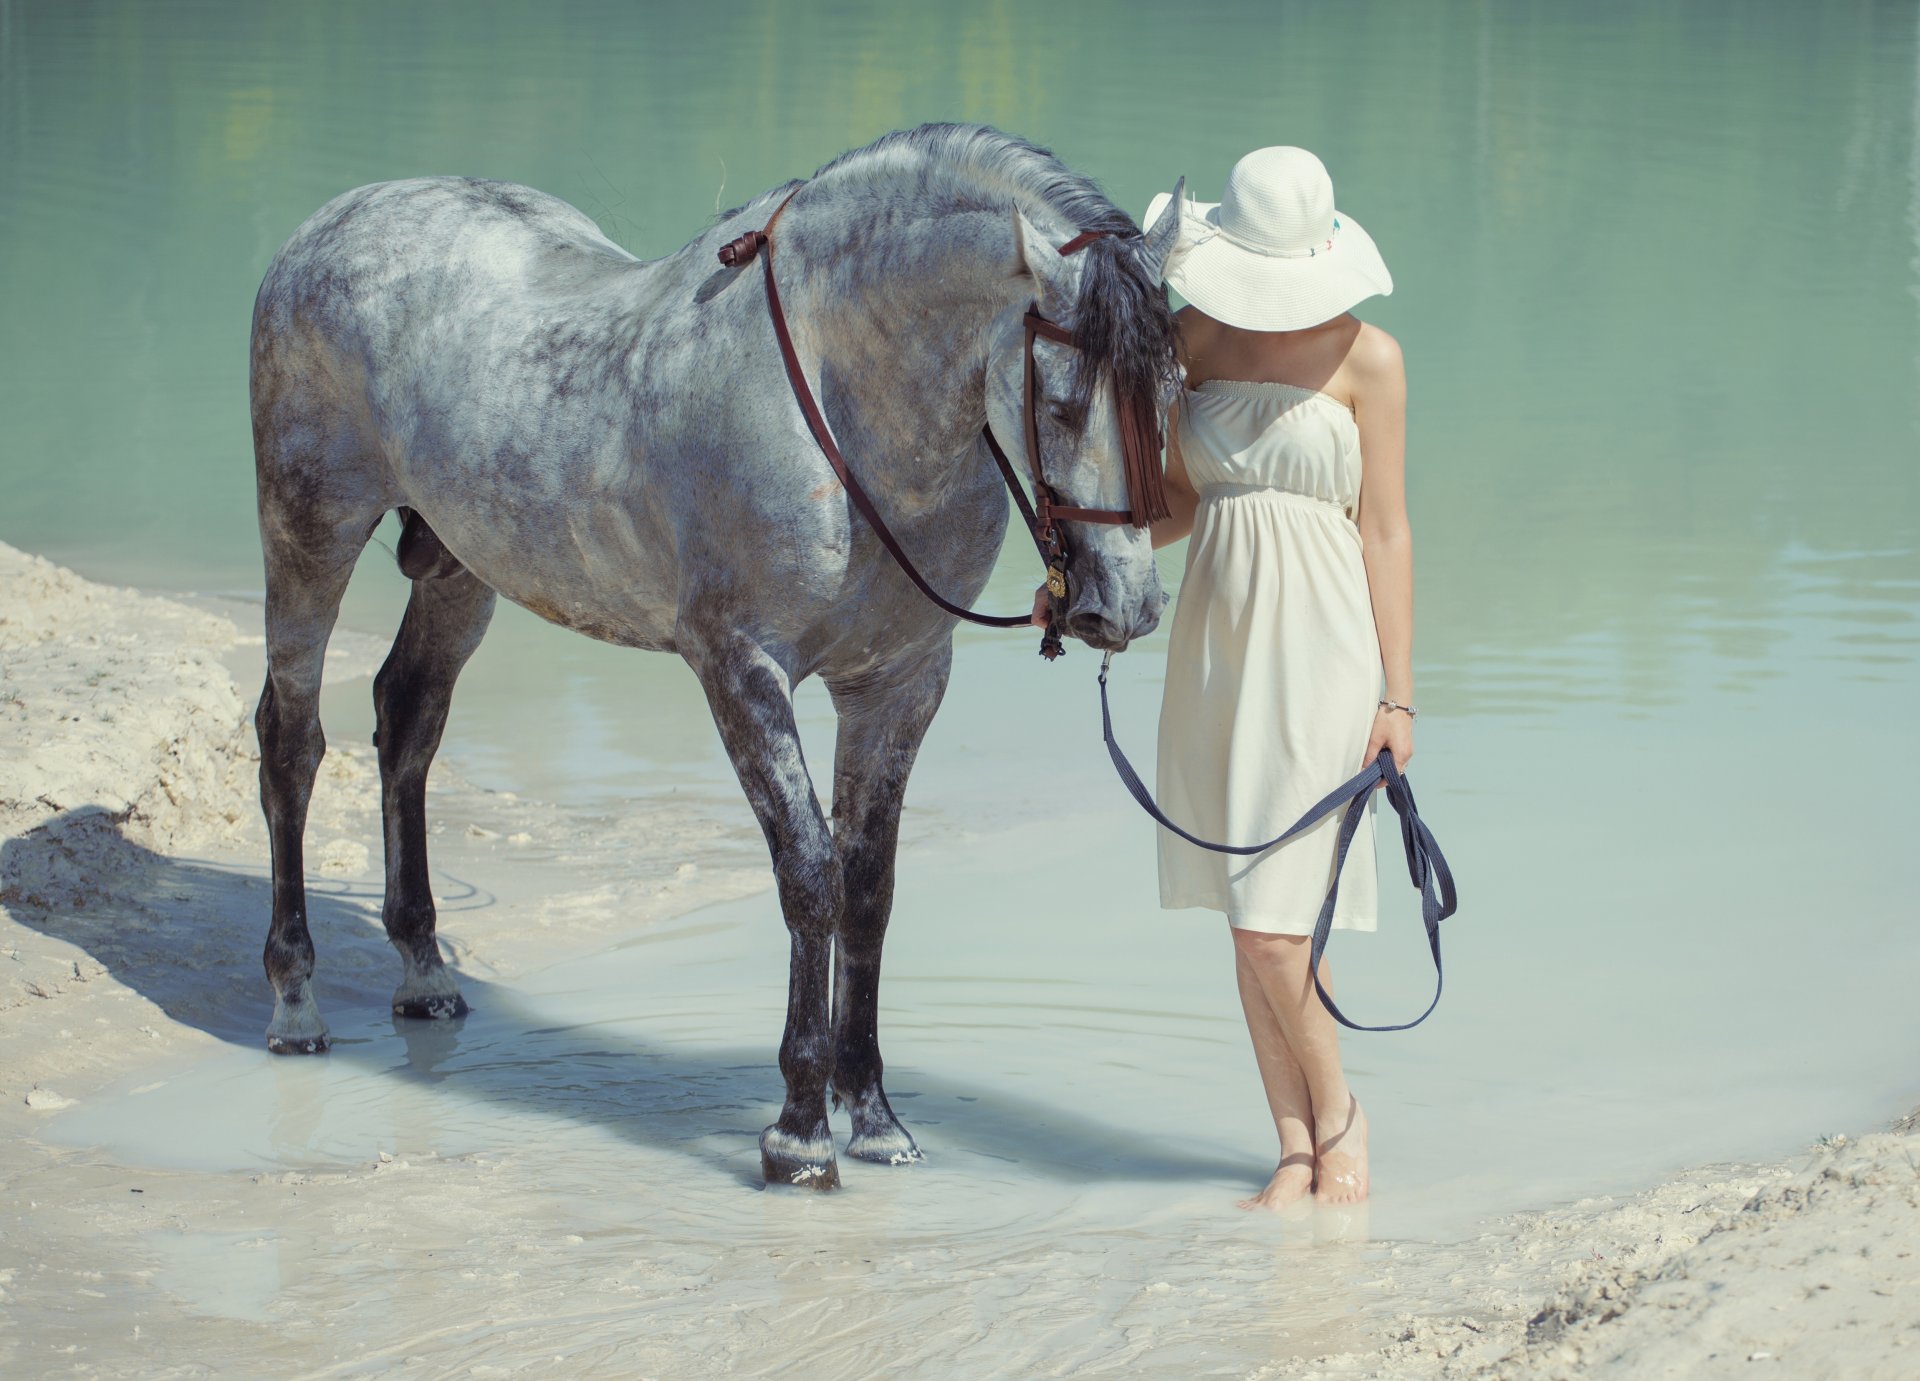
[132,908]
[1807,1269]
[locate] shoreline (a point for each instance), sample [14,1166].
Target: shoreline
[1808,1265]
[133,901]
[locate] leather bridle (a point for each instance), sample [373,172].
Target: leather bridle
[1043,517]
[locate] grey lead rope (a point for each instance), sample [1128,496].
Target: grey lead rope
[1425,863]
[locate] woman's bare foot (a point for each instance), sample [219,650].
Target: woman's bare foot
[1340,1163]
[1289,1184]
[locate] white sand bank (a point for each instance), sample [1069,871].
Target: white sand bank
[126,761]
[1806,1269]
[133,905]
[132,910]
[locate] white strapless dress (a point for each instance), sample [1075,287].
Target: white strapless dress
[1273,669]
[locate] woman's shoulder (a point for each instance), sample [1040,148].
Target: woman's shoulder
[1374,354]
[1374,374]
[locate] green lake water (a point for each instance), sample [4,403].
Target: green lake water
[1658,273]
[1658,264]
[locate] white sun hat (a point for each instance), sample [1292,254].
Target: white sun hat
[1272,254]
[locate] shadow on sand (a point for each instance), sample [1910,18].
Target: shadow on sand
[186,935]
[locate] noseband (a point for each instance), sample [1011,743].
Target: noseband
[1043,518]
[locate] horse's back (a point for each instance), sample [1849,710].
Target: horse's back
[575,426]
[392,254]
[420,312]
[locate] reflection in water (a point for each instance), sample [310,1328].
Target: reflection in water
[430,1045]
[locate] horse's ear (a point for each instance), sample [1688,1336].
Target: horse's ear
[1037,258]
[1164,232]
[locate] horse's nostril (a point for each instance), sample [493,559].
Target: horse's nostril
[1096,630]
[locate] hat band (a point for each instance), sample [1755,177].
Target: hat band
[1252,248]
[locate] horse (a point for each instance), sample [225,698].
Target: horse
[612,444]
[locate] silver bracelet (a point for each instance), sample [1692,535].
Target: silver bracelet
[1407,710]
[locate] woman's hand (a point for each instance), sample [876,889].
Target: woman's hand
[1042,607]
[1393,731]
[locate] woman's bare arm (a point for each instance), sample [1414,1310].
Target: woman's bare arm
[1181,498]
[1380,403]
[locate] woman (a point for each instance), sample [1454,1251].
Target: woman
[1290,662]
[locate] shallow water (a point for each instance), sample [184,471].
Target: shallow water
[1075,1069]
[1659,1005]
[1659,289]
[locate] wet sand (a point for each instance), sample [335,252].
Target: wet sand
[567,1181]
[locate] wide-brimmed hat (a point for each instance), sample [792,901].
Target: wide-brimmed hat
[1272,254]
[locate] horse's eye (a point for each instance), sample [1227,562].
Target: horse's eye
[1061,413]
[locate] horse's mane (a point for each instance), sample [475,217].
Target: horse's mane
[1121,319]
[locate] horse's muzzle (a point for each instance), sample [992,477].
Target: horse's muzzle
[1098,629]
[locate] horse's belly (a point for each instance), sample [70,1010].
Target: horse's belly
[653,634]
[607,587]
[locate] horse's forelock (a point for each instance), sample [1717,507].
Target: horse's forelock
[1124,328]
[1123,324]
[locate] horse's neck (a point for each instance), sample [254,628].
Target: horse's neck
[903,316]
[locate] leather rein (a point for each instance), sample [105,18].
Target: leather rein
[1043,517]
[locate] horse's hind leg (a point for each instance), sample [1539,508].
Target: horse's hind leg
[747,691]
[447,615]
[305,580]
[882,722]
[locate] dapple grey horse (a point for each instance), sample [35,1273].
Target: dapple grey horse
[613,444]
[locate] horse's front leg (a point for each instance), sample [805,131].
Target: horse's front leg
[748,693]
[882,721]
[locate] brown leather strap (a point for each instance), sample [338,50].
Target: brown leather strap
[1042,521]
[1020,499]
[1052,546]
[823,435]
[1038,325]
[1091,515]
[737,252]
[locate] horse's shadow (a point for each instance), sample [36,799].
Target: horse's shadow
[186,935]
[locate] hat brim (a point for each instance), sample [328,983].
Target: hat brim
[1260,292]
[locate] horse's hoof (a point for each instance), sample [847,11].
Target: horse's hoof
[888,1146]
[804,1162]
[298,1028]
[432,1008]
[429,996]
[299,1045]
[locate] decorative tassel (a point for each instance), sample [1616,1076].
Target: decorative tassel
[1140,442]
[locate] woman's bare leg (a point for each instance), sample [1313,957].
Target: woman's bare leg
[1279,963]
[1286,1085]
